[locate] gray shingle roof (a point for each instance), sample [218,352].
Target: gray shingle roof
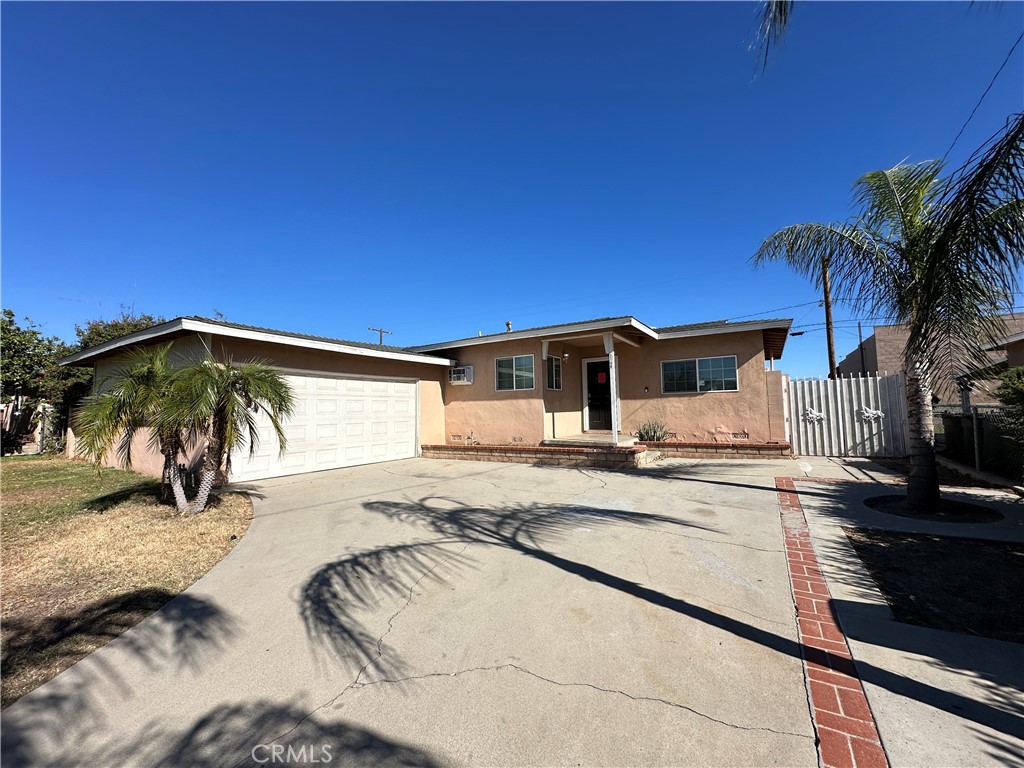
[328,339]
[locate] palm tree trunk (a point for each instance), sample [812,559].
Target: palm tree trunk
[211,466]
[180,502]
[830,339]
[206,481]
[923,483]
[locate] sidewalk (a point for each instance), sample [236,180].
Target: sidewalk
[939,698]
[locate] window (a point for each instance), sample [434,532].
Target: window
[705,374]
[514,372]
[554,373]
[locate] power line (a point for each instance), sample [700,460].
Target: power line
[777,309]
[983,95]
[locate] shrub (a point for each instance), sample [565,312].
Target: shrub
[1011,395]
[652,432]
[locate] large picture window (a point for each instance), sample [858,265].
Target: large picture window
[513,373]
[703,374]
[554,373]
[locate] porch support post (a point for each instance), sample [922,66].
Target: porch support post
[541,385]
[613,381]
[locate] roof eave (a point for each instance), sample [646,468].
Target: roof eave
[198,326]
[728,328]
[555,330]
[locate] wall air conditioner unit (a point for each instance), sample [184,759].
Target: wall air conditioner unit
[460,374]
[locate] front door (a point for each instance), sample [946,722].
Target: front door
[599,395]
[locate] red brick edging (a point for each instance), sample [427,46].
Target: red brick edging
[847,733]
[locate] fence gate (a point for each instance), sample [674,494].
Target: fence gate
[857,416]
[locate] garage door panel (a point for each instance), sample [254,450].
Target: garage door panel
[337,422]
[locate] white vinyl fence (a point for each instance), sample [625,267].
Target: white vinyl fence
[859,416]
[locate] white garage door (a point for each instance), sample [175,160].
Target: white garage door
[337,422]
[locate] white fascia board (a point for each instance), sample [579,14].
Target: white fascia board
[139,337]
[722,329]
[198,326]
[555,330]
[328,346]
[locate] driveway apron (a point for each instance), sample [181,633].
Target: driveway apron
[425,612]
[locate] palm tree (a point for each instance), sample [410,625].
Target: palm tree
[938,255]
[221,402]
[135,397]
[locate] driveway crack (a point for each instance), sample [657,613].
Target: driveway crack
[380,649]
[614,691]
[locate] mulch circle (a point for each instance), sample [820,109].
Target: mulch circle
[949,510]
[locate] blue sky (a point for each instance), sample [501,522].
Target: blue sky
[438,169]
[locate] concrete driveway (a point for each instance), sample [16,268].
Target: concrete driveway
[460,613]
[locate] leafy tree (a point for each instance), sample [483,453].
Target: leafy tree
[26,355]
[95,332]
[63,385]
[938,255]
[222,402]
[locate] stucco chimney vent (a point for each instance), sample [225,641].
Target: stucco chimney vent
[508,326]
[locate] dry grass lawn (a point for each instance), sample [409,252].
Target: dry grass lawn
[86,557]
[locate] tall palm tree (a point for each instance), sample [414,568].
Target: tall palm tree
[135,397]
[940,256]
[221,402]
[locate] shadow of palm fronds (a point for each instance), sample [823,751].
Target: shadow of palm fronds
[514,526]
[148,490]
[338,590]
[185,630]
[334,595]
[251,733]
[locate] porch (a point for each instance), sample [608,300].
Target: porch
[594,437]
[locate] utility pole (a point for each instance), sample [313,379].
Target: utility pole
[860,346]
[381,332]
[829,337]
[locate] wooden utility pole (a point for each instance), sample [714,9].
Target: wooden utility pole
[381,332]
[829,333]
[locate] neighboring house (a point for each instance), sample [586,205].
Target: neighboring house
[882,352]
[1013,347]
[591,382]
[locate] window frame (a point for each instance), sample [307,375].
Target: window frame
[696,362]
[550,374]
[513,358]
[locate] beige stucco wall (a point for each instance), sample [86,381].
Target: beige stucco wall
[146,459]
[701,416]
[480,412]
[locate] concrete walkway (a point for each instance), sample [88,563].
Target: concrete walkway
[457,613]
[939,698]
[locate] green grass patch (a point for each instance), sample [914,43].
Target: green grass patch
[40,490]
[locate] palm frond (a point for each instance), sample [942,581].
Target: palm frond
[852,256]
[972,268]
[893,202]
[775,17]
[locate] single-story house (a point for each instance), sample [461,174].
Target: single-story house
[585,384]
